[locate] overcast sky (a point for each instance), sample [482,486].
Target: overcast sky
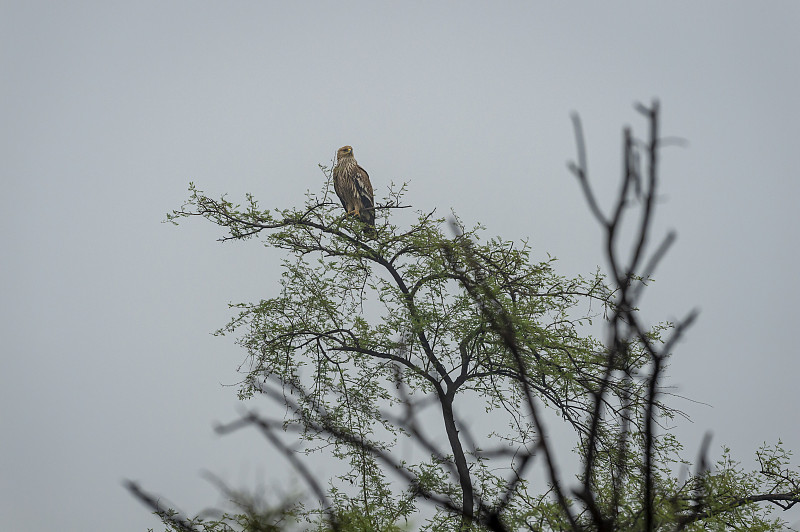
[109,109]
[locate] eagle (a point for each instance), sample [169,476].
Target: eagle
[351,183]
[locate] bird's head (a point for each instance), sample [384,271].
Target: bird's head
[344,151]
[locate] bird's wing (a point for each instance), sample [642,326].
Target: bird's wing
[365,196]
[364,188]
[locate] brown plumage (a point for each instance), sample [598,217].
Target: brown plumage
[351,183]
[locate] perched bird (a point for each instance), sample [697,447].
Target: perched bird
[351,183]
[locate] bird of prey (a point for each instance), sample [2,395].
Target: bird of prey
[351,183]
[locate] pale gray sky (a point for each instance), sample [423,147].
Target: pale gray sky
[109,109]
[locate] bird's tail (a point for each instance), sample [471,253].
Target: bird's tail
[368,217]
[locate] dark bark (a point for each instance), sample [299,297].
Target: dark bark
[460,460]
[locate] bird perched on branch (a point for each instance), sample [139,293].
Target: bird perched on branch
[351,183]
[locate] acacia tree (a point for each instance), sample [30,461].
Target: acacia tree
[431,334]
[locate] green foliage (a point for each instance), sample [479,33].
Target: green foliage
[361,331]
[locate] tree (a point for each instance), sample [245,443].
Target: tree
[368,335]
